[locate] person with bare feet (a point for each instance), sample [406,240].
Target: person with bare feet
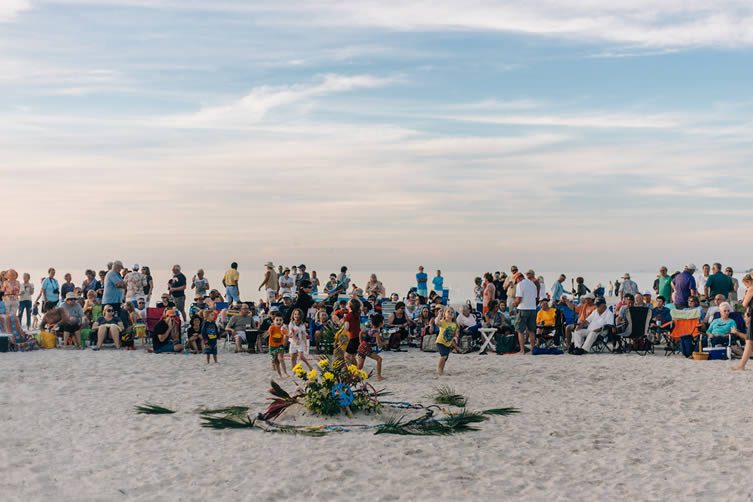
[526,298]
[369,337]
[447,339]
[748,304]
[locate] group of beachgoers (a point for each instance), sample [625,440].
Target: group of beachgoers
[296,312]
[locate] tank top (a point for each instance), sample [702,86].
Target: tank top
[273,283]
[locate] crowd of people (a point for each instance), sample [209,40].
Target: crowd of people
[296,312]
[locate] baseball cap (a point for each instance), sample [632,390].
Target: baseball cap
[287,295]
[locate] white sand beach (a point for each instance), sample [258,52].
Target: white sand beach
[596,427]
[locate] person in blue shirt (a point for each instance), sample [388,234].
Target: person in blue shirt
[209,334]
[50,291]
[660,313]
[438,282]
[421,280]
[558,289]
[723,326]
[114,287]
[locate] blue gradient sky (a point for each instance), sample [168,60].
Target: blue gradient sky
[382,133]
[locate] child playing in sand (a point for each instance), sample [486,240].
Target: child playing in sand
[35,316]
[368,337]
[447,338]
[298,338]
[277,341]
[209,334]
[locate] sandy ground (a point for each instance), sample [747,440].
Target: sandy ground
[594,427]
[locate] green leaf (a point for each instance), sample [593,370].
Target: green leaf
[447,395]
[220,423]
[153,409]
[501,411]
[230,411]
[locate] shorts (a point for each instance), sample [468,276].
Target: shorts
[295,348]
[180,302]
[210,348]
[273,351]
[364,349]
[526,321]
[352,347]
[232,294]
[70,328]
[444,350]
[165,349]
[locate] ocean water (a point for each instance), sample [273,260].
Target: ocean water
[459,282]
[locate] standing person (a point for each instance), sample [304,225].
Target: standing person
[617,285]
[277,339]
[558,289]
[50,291]
[298,338]
[270,283]
[148,284]
[201,284]
[421,280]
[230,281]
[526,299]
[748,304]
[370,337]
[67,286]
[610,289]
[629,287]
[343,280]
[478,294]
[510,285]
[134,281]
[735,285]
[286,282]
[718,283]
[447,339]
[438,282]
[700,281]
[664,284]
[114,288]
[302,275]
[24,305]
[304,301]
[11,289]
[314,283]
[90,283]
[177,288]
[209,334]
[489,292]
[352,324]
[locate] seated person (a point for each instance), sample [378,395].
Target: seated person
[713,309]
[545,318]
[640,301]
[661,314]
[695,304]
[165,302]
[584,309]
[318,324]
[166,336]
[91,301]
[627,301]
[139,312]
[110,325]
[496,318]
[589,330]
[244,328]
[198,305]
[399,319]
[720,328]
[193,334]
[468,323]
[73,319]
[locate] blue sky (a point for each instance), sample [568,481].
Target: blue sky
[384,133]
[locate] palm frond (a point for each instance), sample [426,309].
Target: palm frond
[299,431]
[230,411]
[278,391]
[153,409]
[447,395]
[227,422]
[501,411]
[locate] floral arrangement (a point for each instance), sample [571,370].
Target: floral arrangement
[331,389]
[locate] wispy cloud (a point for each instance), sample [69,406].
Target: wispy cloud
[9,9]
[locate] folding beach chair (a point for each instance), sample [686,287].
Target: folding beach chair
[685,323]
[739,324]
[635,337]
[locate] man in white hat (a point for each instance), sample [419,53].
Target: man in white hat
[628,286]
[271,283]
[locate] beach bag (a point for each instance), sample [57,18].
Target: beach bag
[429,343]
[686,345]
[505,344]
[4,343]
[47,340]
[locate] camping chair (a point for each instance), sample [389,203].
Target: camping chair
[635,337]
[684,323]
[739,324]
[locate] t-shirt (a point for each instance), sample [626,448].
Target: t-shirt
[210,332]
[240,323]
[286,284]
[466,321]
[75,311]
[557,291]
[447,331]
[438,283]
[719,284]
[584,311]
[51,289]
[663,315]
[134,285]
[546,317]
[629,287]
[421,279]
[297,333]
[720,327]
[231,277]
[160,329]
[177,281]
[201,285]
[683,282]
[354,325]
[665,287]
[527,290]
[27,291]
[596,320]
[66,288]
[275,336]
[112,294]
[102,321]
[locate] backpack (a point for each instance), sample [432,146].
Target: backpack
[506,344]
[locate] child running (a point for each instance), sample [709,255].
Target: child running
[209,334]
[298,338]
[447,338]
[373,335]
[276,342]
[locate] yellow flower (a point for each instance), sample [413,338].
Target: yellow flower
[364,375]
[297,368]
[329,376]
[312,375]
[337,364]
[352,369]
[324,363]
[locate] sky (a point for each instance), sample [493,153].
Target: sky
[383,134]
